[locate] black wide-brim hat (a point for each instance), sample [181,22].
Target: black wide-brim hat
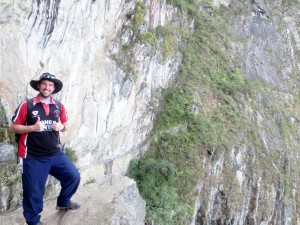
[47,76]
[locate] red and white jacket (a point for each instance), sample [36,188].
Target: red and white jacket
[39,144]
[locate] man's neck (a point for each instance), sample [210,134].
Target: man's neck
[45,99]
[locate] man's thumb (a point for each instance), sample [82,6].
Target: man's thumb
[59,119]
[39,119]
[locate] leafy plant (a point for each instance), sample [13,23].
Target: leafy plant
[71,154]
[91,180]
[199,117]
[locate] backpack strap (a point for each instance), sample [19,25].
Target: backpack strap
[58,106]
[17,136]
[29,105]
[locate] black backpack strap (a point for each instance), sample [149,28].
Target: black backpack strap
[29,104]
[58,106]
[17,136]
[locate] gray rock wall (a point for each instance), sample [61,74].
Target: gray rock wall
[110,112]
[256,180]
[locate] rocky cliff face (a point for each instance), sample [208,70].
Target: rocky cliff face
[112,84]
[76,41]
[110,110]
[255,181]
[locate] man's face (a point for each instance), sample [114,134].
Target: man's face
[46,87]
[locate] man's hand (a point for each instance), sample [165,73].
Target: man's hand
[57,126]
[38,126]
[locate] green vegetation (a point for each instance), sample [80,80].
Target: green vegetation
[71,153]
[3,120]
[91,180]
[200,116]
[9,175]
[137,16]
[161,38]
[203,115]
[210,110]
[10,181]
[6,136]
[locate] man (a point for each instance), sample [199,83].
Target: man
[40,150]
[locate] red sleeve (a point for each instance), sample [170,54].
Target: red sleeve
[63,115]
[20,114]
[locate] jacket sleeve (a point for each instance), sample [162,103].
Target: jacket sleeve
[63,115]
[20,114]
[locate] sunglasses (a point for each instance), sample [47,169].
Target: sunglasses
[47,76]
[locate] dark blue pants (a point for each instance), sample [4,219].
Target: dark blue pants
[34,177]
